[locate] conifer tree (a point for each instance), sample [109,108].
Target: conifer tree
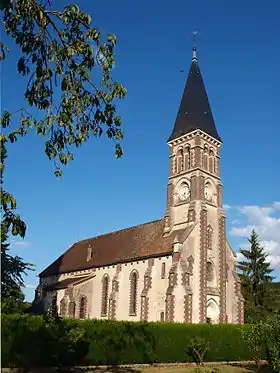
[255,275]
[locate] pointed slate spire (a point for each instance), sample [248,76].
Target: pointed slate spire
[194,111]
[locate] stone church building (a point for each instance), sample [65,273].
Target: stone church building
[180,268]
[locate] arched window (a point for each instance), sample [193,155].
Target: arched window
[72,309]
[180,160]
[163,270]
[105,295]
[205,158]
[82,313]
[62,307]
[209,237]
[187,279]
[187,157]
[175,165]
[211,161]
[54,305]
[209,271]
[162,316]
[133,293]
[217,166]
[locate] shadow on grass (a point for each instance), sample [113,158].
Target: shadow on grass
[253,368]
[113,369]
[108,369]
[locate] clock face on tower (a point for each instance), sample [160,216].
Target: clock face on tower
[184,192]
[208,192]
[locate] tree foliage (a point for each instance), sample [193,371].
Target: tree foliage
[256,279]
[263,339]
[65,102]
[255,338]
[197,349]
[12,270]
[59,50]
[12,267]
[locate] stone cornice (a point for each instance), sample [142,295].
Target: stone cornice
[192,135]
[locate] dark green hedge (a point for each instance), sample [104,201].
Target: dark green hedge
[43,341]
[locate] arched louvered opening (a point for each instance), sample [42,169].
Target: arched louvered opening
[211,161]
[180,160]
[187,157]
[205,157]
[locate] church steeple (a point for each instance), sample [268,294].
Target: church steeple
[194,111]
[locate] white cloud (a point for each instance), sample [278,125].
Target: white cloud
[226,207]
[239,257]
[21,243]
[235,221]
[276,205]
[266,222]
[30,286]
[245,246]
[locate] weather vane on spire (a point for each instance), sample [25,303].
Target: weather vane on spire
[194,40]
[195,35]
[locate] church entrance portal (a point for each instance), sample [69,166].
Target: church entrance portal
[212,312]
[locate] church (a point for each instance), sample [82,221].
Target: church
[179,268]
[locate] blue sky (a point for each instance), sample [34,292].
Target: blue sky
[239,56]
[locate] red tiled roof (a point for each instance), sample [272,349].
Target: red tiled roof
[145,240]
[64,283]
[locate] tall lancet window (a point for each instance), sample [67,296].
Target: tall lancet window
[205,158]
[211,161]
[133,293]
[209,271]
[105,295]
[209,237]
[54,305]
[163,270]
[71,309]
[187,157]
[63,307]
[83,303]
[180,161]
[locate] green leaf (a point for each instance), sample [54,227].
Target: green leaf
[112,38]
[5,119]
[3,50]
[118,151]
[58,172]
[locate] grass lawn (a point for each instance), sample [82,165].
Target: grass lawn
[158,369]
[186,369]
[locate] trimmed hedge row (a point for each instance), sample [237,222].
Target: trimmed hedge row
[44,341]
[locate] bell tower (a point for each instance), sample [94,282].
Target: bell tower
[194,190]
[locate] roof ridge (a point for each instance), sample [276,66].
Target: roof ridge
[119,230]
[139,241]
